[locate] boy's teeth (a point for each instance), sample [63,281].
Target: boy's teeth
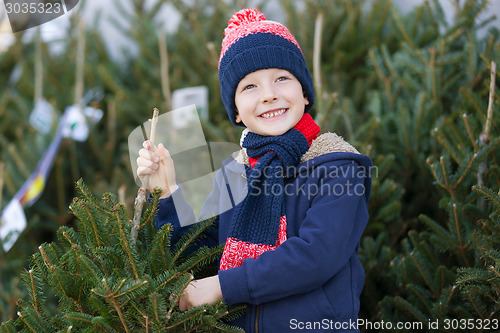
[273,114]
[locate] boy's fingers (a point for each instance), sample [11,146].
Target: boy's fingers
[142,171]
[148,155]
[182,304]
[162,151]
[145,162]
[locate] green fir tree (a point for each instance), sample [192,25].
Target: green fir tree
[481,284]
[103,282]
[436,88]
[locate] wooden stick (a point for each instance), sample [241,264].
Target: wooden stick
[484,137]
[489,117]
[38,66]
[141,194]
[165,77]
[80,65]
[318,28]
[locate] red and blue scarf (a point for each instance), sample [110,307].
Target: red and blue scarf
[259,222]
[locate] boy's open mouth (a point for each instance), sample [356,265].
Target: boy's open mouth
[273,113]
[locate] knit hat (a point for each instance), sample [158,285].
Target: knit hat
[252,43]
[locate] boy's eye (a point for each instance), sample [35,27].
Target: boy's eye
[249,86]
[282,78]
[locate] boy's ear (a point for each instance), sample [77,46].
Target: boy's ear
[238,118]
[306,100]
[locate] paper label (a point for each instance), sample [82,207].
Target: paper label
[12,223]
[187,96]
[42,116]
[76,122]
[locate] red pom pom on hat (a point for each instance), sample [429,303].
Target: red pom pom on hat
[244,16]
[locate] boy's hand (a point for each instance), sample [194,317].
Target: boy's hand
[198,292]
[156,162]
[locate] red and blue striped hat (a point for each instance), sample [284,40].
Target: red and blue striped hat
[251,43]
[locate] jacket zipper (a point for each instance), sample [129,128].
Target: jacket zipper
[257,319]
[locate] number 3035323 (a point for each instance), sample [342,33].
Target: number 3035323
[485,324]
[33,8]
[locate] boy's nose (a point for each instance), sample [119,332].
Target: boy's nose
[269,95]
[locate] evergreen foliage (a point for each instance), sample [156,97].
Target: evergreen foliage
[434,98]
[481,284]
[105,283]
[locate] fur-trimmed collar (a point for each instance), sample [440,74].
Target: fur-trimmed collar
[323,144]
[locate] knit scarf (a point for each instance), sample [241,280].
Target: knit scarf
[259,222]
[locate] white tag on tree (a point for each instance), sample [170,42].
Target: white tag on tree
[76,123]
[42,116]
[12,223]
[93,115]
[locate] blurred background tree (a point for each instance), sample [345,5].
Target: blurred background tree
[413,91]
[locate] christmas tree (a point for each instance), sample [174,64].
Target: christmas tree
[439,98]
[104,282]
[480,283]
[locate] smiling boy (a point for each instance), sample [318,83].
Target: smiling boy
[270,101]
[290,254]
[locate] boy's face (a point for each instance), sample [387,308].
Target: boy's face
[270,101]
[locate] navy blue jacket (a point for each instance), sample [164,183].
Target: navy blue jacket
[312,282]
